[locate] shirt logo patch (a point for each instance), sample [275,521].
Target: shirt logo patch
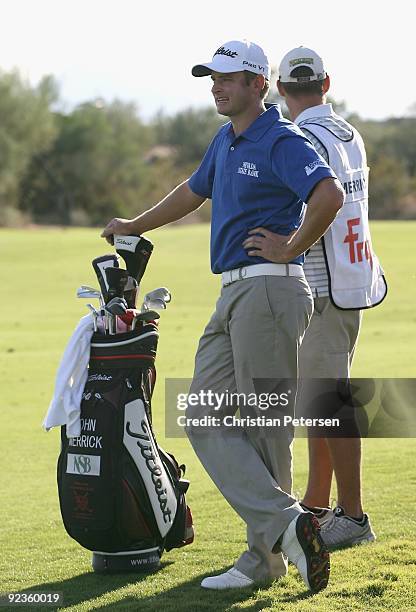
[249,169]
[313,166]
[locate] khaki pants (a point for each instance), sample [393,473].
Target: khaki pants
[326,353]
[254,333]
[329,344]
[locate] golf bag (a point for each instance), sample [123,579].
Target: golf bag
[121,495]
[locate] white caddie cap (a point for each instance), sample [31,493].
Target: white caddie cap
[301,56]
[236,56]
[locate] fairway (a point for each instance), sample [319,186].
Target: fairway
[41,271]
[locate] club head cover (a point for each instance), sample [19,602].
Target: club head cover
[130,292]
[136,251]
[100,264]
[117,279]
[129,315]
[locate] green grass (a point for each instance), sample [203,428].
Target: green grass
[41,270]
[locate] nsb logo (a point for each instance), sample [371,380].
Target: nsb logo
[85,465]
[82,464]
[358,250]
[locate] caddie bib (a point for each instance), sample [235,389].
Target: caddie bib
[356,279]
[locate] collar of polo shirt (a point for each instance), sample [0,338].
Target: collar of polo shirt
[263,122]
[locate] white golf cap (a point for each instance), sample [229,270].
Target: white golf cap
[235,56]
[301,56]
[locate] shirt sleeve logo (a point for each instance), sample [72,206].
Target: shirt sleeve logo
[314,165]
[249,169]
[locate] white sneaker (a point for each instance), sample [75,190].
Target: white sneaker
[233,579]
[303,545]
[343,531]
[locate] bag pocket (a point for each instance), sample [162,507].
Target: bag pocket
[87,473]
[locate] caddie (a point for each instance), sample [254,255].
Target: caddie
[346,278]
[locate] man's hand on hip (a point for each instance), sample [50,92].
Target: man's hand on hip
[270,246]
[323,204]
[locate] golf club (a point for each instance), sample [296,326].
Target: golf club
[117,306]
[136,251]
[156,299]
[100,264]
[89,293]
[117,279]
[95,315]
[130,292]
[149,315]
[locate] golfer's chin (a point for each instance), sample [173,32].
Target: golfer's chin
[224,109]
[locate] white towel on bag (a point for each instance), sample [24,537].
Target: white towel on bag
[65,407]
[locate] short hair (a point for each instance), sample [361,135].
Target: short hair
[303,88]
[250,76]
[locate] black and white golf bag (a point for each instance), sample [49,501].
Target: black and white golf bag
[121,495]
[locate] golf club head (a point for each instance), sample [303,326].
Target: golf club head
[157,299]
[100,264]
[161,293]
[88,292]
[93,309]
[117,306]
[117,279]
[136,251]
[154,304]
[95,315]
[150,315]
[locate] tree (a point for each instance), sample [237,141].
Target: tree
[190,131]
[94,168]
[391,148]
[27,128]
[101,160]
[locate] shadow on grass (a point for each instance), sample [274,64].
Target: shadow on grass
[184,597]
[82,588]
[189,596]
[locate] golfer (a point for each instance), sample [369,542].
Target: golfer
[258,170]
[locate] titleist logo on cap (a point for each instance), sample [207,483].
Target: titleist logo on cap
[224,51]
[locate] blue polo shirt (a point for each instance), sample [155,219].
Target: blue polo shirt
[259,179]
